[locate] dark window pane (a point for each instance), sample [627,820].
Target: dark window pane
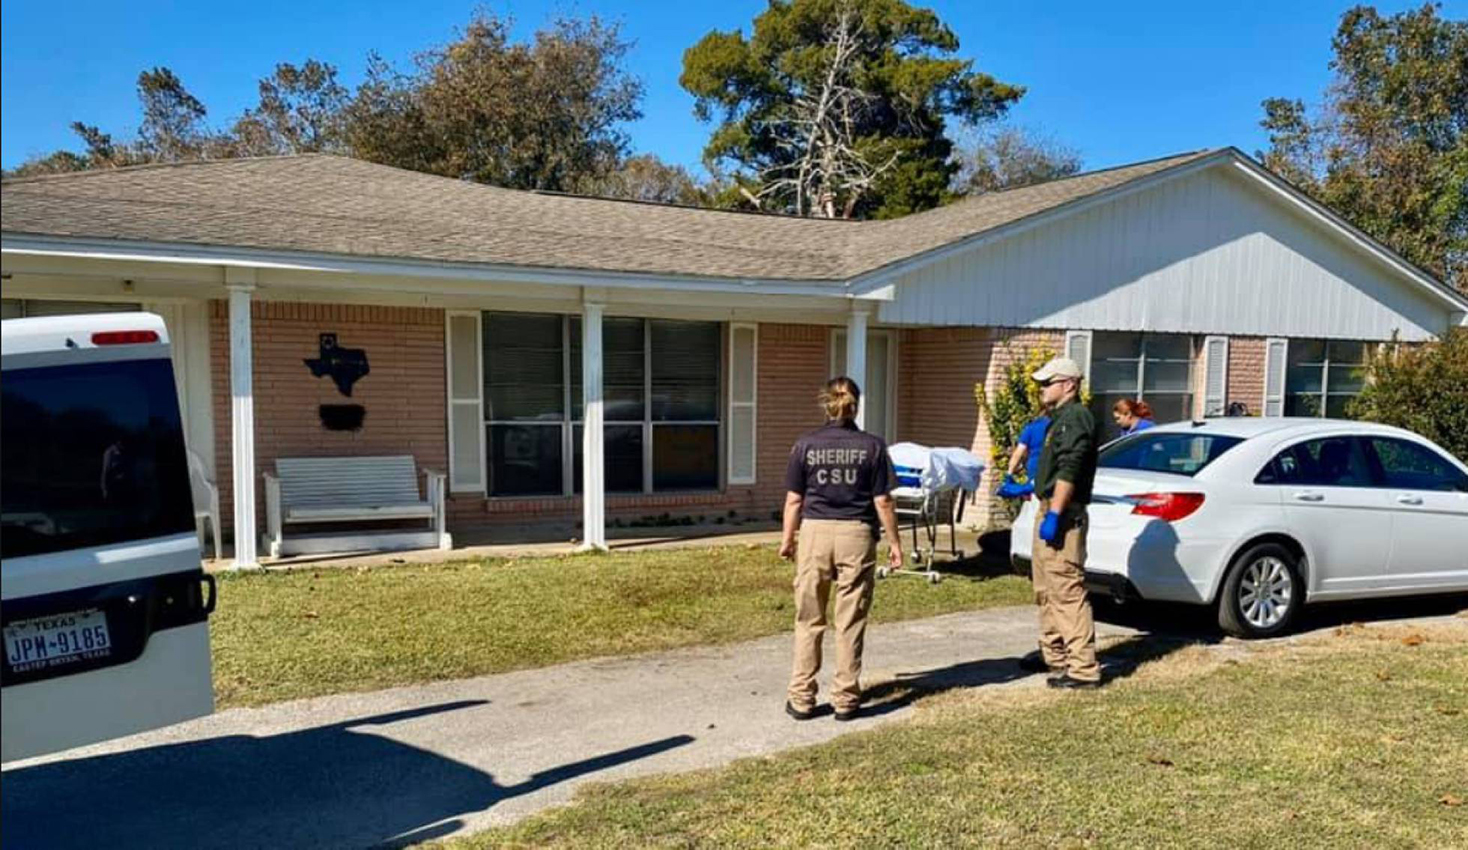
[685,371]
[1167,376]
[525,460]
[1114,376]
[523,367]
[1181,454]
[685,457]
[1171,408]
[623,458]
[1327,462]
[1306,369]
[1174,347]
[1415,467]
[622,378]
[1116,346]
[93,454]
[1347,352]
[1346,378]
[1302,404]
[1336,406]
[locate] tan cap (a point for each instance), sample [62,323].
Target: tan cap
[1058,368]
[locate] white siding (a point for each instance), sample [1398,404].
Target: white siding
[1208,252]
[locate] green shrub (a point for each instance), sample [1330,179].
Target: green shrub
[1423,388]
[1015,402]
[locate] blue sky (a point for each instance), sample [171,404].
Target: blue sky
[1119,82]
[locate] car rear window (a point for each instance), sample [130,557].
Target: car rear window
[91,454]
[1175,452]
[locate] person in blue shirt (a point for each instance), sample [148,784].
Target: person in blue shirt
[1132,416]
[1026,455]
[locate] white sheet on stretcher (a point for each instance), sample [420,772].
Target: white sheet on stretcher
[942,468]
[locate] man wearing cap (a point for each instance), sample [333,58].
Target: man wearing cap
[1063,485]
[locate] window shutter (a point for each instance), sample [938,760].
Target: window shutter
[1276,354]
[743,400]
[1215,381]
[466,402]
[1078,348]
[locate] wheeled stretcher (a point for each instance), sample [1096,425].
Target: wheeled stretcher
[933,486]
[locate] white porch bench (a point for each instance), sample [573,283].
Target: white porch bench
[321,490]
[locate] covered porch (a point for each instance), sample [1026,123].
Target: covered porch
[616,429]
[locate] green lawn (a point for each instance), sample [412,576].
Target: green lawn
[286,634]
[1357,739]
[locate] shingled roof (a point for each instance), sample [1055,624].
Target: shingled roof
[338,205]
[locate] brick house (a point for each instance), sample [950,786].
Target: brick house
[1194,281]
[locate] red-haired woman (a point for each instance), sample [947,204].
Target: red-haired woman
[1132,416]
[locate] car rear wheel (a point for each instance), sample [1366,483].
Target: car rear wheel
[1262,594]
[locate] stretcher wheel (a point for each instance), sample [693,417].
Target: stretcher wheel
[934,577]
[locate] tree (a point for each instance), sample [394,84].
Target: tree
[1422,388]
[646,178]
[838,108]
[173,119]
[1012,158]
[172,129]
[301,110]
[546,115]
[1388,148]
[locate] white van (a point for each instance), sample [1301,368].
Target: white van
[103,598]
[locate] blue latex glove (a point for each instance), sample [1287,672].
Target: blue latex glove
[1050,529]
[1012,489]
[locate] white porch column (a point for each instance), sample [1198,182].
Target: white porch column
[241,283]
[856,358]
[593,435]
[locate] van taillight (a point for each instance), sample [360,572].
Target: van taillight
[1166,506]
[124,337]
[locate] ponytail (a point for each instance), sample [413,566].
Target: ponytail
[840,398]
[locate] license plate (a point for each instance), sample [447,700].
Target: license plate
[60,639]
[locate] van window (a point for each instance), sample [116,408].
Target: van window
[93,454]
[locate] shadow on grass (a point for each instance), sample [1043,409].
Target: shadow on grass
[1118,661]
[1200,623]
[340,785]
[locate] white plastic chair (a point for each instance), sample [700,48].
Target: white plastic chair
[206,501]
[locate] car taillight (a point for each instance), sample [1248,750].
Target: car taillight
[124,337]
[1167,506]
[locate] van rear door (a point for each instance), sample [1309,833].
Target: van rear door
[104,602]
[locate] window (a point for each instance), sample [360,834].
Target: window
[525,403]
[93,454]
[876,386]
[1155,368]
[1412,466]
[1326,462]
[1180,454]
[661,383]
[21,308]
[1322,377]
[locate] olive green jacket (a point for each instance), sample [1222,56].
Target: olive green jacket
[1069,453]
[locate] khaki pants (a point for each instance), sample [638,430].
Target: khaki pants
[1067,628]
[843,552]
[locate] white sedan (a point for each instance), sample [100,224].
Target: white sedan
[1258,517]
